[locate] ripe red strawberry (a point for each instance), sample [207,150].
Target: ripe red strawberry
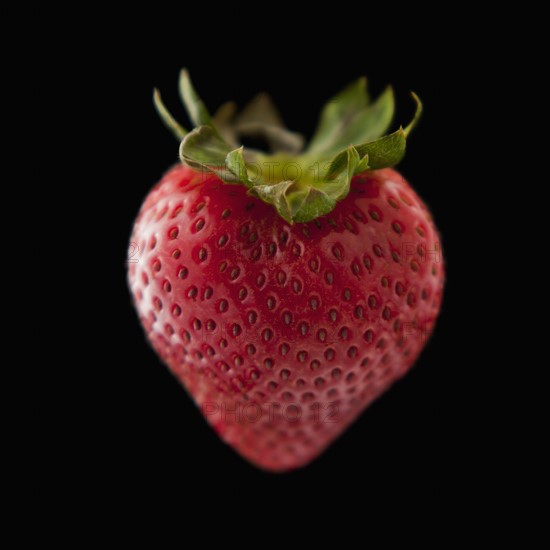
[284,332]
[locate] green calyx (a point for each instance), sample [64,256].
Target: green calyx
[302,184]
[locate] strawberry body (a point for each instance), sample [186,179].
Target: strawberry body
[283,333]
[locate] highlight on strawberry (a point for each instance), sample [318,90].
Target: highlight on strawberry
[286,290]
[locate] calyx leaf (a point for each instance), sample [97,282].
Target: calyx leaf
[346,143]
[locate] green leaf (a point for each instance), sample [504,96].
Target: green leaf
[390,149]
[348,133]
[193,103]
[337,114]
[204,148]
[260,118]
[315,204]
[169,121]
[236,165]
[418,113]
[384,152]
[337,182]
[368,124]
[275,195]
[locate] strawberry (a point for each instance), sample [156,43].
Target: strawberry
[286,292]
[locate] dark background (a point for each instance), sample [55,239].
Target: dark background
[140,434]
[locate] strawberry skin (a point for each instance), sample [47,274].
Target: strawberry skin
[283,334]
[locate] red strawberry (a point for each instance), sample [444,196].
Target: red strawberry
[284,332]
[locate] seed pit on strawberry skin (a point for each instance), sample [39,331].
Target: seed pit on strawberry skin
[336,374]
[393,203]
[285,374]
[338,252]
[369,335]
[329,277]
[314,302]
[176,253]
[398,227]
[226,213]
[210,325]
[367,262]
[284,349]
[192,292]
[352,352]
[176,210]
[375,213]
[223,305]
[234,274]
[414,265]
[222,241]
[156,265]
[269,363]
[297,286]
[322,335]
[302,356]
[330,354]
[267,334]
[197,324]
[152,243]
[287,318]
[344,333]
[252,317]
[377,249]
[166,286]
[176,310]
[173,233]
[203,254]
[182,272]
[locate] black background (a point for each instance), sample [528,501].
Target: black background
[139,433]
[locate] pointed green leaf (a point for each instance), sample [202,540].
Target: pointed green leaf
[193,103]
[337,114]
[368,124]
[169,121]
[337,182]
[204,148]
[418,113]
[386,151]
[390,149]
[236,165]
[275,195]
[315,204]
